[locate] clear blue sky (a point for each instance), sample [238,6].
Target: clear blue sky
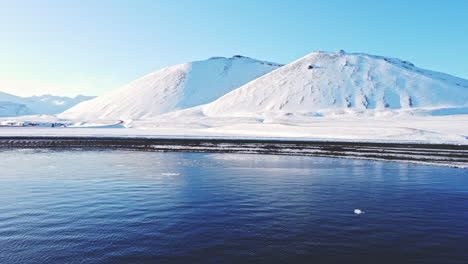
[92,46]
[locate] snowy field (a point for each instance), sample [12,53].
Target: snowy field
[419,129]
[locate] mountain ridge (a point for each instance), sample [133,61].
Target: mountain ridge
[12,105]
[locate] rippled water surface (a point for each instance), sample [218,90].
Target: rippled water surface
[143,207]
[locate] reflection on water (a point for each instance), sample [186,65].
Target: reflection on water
[142,207]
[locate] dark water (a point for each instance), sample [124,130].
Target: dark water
[138,207]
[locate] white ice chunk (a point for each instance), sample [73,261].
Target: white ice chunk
[358,211]
[170,174]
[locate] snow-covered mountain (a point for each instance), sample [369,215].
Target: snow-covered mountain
[324,81]
[11,105]
[8,109]
[177,87]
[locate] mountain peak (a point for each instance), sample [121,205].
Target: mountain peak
[245,58]
[232,58]
[343,54]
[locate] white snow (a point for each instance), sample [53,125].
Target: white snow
[177,87]
[341,97]
[324,83]
[421,129]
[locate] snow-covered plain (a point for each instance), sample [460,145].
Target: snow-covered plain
[399,128]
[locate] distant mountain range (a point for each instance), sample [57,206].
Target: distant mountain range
[11,105]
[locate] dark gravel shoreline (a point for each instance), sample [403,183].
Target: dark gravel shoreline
[435,154]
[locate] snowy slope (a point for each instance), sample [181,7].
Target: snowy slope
[177,87]
[8,109]
[324,82]
[11,105]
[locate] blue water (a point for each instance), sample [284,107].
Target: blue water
[143,207]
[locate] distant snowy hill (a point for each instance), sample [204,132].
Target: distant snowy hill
[11,105]
[172,88]
[324,82]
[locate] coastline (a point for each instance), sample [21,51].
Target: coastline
[451,155]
